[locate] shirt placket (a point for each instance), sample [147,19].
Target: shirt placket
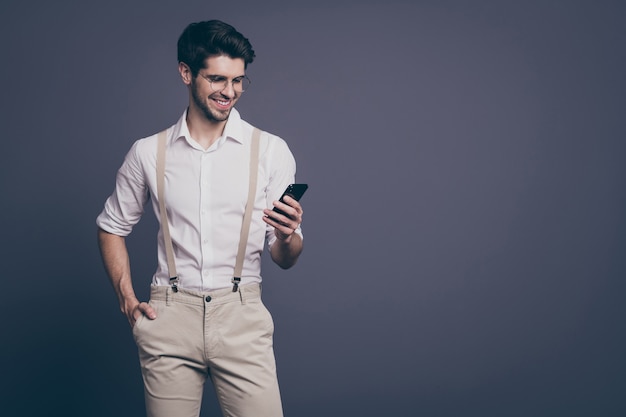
[205,220]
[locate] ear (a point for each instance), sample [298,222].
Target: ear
[185,73]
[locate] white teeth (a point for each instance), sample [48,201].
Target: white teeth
[223,103]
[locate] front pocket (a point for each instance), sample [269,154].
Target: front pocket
[267,317]
[142,318]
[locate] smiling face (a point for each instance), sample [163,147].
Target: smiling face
[204,99]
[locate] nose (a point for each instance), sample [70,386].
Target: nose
[229,90]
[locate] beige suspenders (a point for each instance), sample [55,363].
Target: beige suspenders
[167,239]
[247,217]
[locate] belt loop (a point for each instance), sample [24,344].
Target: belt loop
[168,295]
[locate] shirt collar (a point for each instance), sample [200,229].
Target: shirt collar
[233,129]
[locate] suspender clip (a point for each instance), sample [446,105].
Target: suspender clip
[236,281]
[174,283]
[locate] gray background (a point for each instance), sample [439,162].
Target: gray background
[465,228]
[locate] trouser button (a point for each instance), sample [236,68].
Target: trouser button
[208,298]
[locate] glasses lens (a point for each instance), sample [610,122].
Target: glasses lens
[243,85]
[218,85]
[239,85]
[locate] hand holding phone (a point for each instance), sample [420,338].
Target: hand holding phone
[295,191]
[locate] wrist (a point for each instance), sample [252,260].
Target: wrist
[282,238]
[128,304]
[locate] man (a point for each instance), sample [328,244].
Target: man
[203,320]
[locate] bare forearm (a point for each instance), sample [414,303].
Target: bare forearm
[115,258]
[117,265]
[286,252]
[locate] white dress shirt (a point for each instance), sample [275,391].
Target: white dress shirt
[206,193]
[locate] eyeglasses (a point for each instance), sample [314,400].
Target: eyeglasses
[218,83]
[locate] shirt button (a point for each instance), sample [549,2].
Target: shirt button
[208,298]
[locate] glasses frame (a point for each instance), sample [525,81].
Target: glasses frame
[226,81]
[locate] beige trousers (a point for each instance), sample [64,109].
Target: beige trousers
[224,335]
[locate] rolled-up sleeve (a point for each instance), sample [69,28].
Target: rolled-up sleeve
[124,208]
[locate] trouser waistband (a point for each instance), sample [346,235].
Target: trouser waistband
[221,296]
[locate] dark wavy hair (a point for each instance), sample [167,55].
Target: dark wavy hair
[202,40]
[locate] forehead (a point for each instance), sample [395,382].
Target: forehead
[224,65]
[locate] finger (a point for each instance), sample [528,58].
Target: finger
[272,218]
[147,310]
[281,231]
[292,202]
[285,208]
[292,212]
[278,220]
[135,313]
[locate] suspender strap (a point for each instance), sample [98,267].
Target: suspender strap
[165,227]
[247,217]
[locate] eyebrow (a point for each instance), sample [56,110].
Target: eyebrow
[223,76]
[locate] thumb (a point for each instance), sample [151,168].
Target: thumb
[147,310]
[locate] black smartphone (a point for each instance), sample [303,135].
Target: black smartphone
[294,191]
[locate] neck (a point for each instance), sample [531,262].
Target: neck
[203,130]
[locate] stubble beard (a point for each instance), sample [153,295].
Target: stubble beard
[211,114]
